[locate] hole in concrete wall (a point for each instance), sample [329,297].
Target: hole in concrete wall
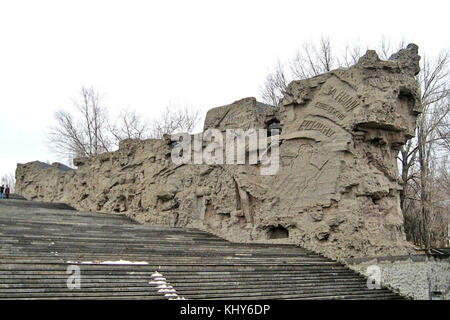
[277,232]
[242,222]
[377,141]
[273,124]
[407,98]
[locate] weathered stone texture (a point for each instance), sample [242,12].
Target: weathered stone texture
[413,276]
[337,189]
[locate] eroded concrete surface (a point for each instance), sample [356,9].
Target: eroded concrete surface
[336,191]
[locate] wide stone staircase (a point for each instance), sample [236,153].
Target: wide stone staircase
[45,247]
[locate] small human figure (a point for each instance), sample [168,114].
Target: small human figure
[2,188]
[7,192]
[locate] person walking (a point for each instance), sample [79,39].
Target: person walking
[7,192]
[2,188]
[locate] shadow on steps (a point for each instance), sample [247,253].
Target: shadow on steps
[19,201]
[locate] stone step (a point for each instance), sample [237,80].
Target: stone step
[38,241]
[225,282]
[331,294]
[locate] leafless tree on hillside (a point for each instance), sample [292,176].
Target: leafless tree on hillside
[129,125]
[275,84]
[175,119]
[313,59]
[435,114]
[83,135]
[89,131]
[172,119]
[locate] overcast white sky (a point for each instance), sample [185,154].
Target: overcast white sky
[143,54]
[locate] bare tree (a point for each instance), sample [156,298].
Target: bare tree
[440,205]
[420,201]
[313,59]
[89,131]
[175,119]
[350,55]
[434,81]
[129,125]
[443,129]
[84,135]
[275,84]
[172,119]
[386,48]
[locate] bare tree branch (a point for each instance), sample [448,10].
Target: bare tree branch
[175,119]
[129,125]
[83,136]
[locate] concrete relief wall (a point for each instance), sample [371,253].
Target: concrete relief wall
[336,189]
